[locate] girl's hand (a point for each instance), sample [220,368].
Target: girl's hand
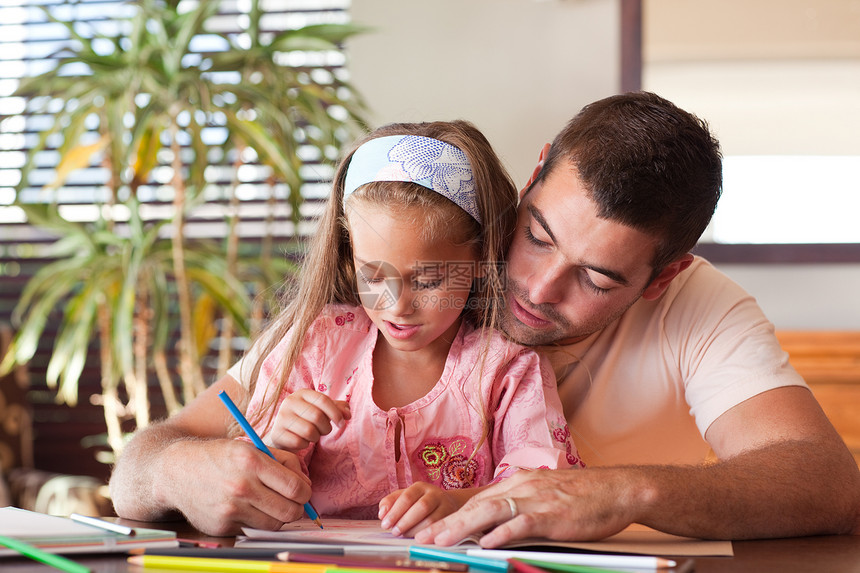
[407,511]
[303,417]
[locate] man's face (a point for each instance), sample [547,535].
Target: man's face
[570,273]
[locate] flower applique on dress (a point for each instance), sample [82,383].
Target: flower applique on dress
[347,382]
[447,463]
[561,434]
[572,458]
[342,319]
[351,374]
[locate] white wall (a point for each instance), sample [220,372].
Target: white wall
[804,297]
[518,69]
[771,77]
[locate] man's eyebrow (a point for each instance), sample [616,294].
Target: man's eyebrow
[613,275]
[538,216]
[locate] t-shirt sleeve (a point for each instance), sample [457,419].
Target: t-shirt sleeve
[530,430]
[242,369]
[726,348]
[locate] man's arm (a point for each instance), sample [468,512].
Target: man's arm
[802,478]
[187,465]
[783,471]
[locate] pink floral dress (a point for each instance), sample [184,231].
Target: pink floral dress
[431,439]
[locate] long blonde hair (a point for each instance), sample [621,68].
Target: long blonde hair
[327,273]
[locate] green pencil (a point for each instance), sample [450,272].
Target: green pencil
[37,554]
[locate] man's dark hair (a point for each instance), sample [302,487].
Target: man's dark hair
[647,164]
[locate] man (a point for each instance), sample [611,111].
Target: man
[653,348]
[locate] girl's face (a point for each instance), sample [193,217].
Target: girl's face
[413,289]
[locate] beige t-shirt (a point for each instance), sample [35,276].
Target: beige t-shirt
[645,389]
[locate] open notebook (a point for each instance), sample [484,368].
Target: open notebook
[368,535]
[62,535]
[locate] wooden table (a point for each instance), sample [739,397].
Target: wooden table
[836,553]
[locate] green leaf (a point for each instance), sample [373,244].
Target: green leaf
[48,217]
[146,155]
[71,346]
[316,37]
[51,282]
[229,295]
[267,149]
[76,158]
[158,297]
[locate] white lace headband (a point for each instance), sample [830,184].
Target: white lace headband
[431,163]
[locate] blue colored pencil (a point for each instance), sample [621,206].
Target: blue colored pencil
[240,418]
[494,565]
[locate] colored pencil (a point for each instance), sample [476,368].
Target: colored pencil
[326,548]
[527,566]
[102,524]
[272,554]
[223,565]
[36,554]
[524,567]
[255,553]
[567,558]
[454,557]
[250,566]
[197,543]
[243,422]
[373,561]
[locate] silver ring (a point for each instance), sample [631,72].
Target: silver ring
[513,505]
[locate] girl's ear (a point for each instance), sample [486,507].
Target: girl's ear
[543,153]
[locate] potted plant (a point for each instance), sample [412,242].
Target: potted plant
[152,99]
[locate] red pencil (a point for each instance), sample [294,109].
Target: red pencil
[523,567]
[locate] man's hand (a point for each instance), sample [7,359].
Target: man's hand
[552,504]
[407,511]
[303,417]
[779,483]
[224,485]
[189,465]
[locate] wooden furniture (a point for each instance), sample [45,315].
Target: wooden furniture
[829,361]
[22,484]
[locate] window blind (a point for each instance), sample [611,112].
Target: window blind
[29,45]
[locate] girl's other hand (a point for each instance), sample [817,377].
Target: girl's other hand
[407,511]
[303,417]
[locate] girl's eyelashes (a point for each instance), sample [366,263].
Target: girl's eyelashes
[417,285]
[367,280]
[428,285]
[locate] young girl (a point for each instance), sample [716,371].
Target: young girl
[384,373]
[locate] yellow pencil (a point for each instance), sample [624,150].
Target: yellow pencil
[224,565]
[216,565]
